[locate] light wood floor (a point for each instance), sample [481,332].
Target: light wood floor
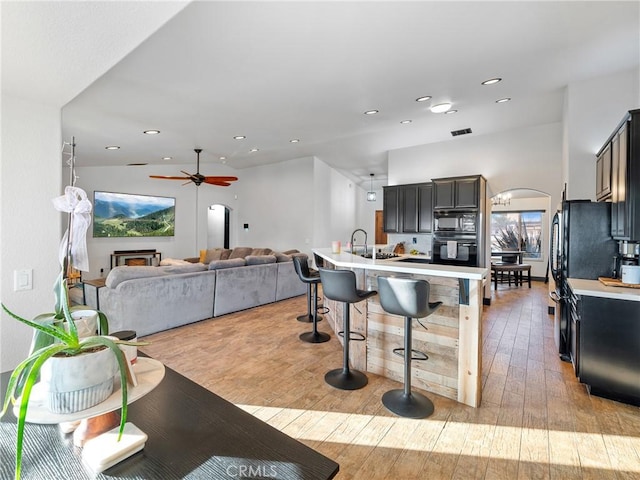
[535,421]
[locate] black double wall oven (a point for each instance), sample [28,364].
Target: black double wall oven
[455,238]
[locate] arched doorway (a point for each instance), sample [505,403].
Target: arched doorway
[218,226]
[521,220]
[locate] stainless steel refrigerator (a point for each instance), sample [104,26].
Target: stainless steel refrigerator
[581,247]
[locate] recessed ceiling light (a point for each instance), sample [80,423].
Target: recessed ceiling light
[223,158]
[112,147]
[151,132]
[423,99]
[295,140]
[239,137]
[167,158]
[253,150]
[492,81]
[441,108]
[502,100]
[371,112]
[451,111]
[404,122]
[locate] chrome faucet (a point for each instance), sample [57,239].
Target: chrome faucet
[353,236]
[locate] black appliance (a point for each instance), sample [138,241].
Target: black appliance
[465,252]
[447,222]
[581,247]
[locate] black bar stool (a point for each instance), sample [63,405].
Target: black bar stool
[409,298]
[302,269]
[340,285]
[311,311]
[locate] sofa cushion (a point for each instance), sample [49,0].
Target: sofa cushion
[119,274]
[283,257]
[240,252]
[173,261]
[207,256]
[289,252]
[260,259]
[261,251]
[228,263]
[185,268]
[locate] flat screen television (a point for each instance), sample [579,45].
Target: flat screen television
[128,215]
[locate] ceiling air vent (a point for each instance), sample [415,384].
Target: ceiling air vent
[464,131]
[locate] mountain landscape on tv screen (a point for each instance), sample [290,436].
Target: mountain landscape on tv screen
[121,215]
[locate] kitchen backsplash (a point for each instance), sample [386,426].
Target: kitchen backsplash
[422,242]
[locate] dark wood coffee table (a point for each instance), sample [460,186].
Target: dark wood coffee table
[193,433]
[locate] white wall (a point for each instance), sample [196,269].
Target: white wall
[593,108]
[136,180]
[31,227]
[277,203]
[298,204]
[522,158]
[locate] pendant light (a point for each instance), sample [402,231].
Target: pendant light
[371,195]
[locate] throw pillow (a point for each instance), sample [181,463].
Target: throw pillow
[240,252]
[289,252]
[260,259]
[261,251]
[283,257]
[229,263]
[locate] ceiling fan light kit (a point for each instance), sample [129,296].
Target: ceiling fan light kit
[198,178]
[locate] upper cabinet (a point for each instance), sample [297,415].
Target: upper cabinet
[408,208]
[457,193]
[623,150]
[603,174]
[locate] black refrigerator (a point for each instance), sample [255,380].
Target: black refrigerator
[581,247]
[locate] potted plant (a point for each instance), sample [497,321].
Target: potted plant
[56,334]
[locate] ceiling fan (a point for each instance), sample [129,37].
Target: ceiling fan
[198,178]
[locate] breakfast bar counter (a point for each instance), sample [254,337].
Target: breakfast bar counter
[451,337]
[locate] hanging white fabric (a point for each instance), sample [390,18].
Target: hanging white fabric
[75,202]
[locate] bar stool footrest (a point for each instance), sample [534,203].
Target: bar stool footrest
[353,336]
[415,354]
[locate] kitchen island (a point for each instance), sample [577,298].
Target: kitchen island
[451,337]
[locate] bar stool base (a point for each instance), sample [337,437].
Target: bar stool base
[313,337]
[413,405]
[346,379]
[307,318]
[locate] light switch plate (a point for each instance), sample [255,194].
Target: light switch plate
[23,279]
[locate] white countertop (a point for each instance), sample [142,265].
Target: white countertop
[347,260]
[595,288]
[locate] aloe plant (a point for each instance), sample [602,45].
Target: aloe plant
[55,334]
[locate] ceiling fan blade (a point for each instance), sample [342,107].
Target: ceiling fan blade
[216,182]
[218,178]
[167,177]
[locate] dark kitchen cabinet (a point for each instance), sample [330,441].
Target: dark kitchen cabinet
[457,193]
[425,208]
[603,175]
[408,208]
[390,209]
[608,347]
[623,146]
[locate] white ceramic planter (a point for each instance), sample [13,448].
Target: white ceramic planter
[79,382]
[86,322]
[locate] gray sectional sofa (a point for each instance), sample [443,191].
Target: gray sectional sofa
[152,299]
